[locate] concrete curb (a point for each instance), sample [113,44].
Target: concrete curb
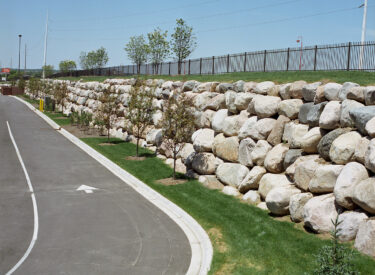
[201,248]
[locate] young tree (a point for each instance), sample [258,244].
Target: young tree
[140,110]
[159,47]
[60,93]
[183,42]
[94,59]
[335,259]
[67,66]
[137,50]
[178,125]
[107,110]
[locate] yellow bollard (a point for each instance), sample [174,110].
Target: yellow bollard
[41,104]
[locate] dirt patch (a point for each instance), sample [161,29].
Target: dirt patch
[217,238]
[61,117]
[226,268]
[80,133]
[135,158]
[171,181]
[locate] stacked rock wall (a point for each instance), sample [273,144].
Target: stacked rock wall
[304,149]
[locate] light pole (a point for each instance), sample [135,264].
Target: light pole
[19,52]
[299,39]
[363,37]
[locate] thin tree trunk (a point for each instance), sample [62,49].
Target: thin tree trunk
[108,135]
[174,163]
[137,145]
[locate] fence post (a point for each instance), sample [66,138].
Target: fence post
[213,65]
[348,64]
[265,60]
[200,66]
[189,67]
[228,59]
[287,60]
[244,65]
[169,70]
[315,54]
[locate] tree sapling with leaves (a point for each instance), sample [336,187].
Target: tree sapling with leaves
[137,50]
[107,109]
[178,125]
[60,93]
[140,110]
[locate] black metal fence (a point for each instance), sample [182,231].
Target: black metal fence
[350,56]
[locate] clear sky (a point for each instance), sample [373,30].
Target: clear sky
[221,26]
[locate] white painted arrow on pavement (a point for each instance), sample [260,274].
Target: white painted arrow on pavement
[87,189]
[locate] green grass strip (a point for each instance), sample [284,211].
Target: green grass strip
[362,78]
[246,239]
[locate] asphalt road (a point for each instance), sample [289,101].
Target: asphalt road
[113,230]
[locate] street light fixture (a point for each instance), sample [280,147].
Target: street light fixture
[19,52]
[299,40]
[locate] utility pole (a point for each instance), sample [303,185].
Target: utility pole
[19,52]
[45,48]
[24,71]
[363,37]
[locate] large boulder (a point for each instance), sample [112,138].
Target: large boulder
[370,127]
[360,151]
[211,182]
[223,87]
[370,156]
[319,212]
[290,108]
[313,116]
[294,133]
[242,100]
[276,134]
[284,91]
[263,87]
[332,90]
[295,90]
[231,173]
[262,128]
[357,94]
[325,143]
[274,161]
[203,119]
[346,106]
[226,148]
[244,153]
[324,178]
[266,106]
[270,181]
[346,87]
[230,97]
[319,95]
[350,176]
[216,103]
[364,195]
[303,111]
[349,223]
[278,199]
[204,163]
[154,137]
[233,124]
[203,140]
[343,148]
[291,170]
[251,197]
[304,172]
[310,140]
[247,127]
[249,87]
[309,91]
[238,86]
[251,181]
[186,151]
[330,117]
[218,120]
[369,94]
[201,100]
[296,204]
[260,151]
[361,116]
[230,191]
[365,239]
[291,156]
[189,85]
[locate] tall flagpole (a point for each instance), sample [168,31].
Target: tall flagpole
[45,48]
[363,35]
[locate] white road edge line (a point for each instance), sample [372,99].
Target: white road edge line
[36,218]
[201,247]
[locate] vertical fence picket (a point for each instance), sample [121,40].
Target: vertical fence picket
[348,61]
[315,55]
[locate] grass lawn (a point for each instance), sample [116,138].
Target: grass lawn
[246,239]
[362,78]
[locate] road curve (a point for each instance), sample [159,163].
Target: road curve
[113,230]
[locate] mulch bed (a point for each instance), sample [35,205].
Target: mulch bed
[171,181]
[135,158]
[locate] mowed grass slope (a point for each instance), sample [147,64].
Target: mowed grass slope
[246,239]
[362,78]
